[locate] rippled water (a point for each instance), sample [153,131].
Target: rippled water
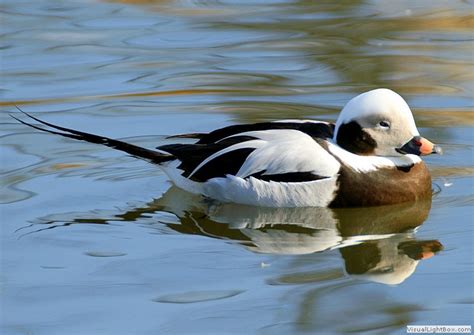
[95,242]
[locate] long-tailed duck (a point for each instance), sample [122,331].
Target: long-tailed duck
[369,157]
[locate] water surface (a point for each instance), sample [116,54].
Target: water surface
[95,242]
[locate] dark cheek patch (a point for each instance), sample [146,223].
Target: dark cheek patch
[351,137]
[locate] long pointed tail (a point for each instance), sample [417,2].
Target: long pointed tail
[150,155]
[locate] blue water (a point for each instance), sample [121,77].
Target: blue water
[96,242]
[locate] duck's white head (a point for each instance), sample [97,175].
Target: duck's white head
[380,123]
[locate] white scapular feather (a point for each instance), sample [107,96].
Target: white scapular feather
[284,151]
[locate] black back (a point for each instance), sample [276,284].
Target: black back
[313,129]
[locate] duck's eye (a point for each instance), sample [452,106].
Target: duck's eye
[384,124]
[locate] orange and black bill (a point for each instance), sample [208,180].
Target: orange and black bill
[419,146]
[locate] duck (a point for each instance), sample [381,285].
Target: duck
[371,156]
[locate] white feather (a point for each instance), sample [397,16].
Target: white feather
[364,164]
[247,144]
[276,152]
[252,191]
[173,173]
[286,150]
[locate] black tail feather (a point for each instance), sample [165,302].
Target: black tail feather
[150,155]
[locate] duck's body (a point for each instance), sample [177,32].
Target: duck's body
[304,163]
[291,164]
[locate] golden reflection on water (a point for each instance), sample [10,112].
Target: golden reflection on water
[372,51]
[448,117]
[342,51]
[451,171]
[116,96]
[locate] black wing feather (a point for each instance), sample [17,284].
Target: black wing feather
[288,177]
[191,155]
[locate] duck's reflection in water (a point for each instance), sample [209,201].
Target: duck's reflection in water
[376,244]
